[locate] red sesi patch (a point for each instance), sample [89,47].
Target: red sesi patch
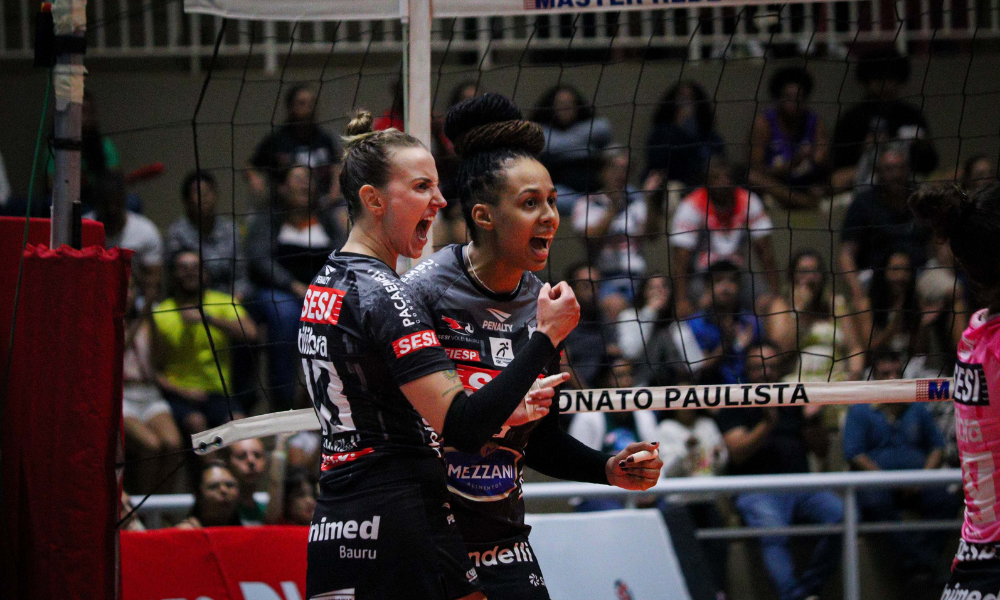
[462,354]
[414,341]
[474,378]
[334,460]
[322,305]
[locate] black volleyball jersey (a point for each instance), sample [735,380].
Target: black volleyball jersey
[481,332]
[361,336]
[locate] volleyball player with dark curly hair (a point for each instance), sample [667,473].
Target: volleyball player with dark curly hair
[971,226]
[483,298]
[385,391]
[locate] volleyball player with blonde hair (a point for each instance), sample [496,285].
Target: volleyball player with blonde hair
[385,391]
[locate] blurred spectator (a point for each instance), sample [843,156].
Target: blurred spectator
[246,461]
[292,490]
[149,425]
[574,138]
[714,339]
[943,316]
[790,147]
[132,522]
[394,116]
[214,498]
[691,445]
[98,157]
[636,328]
[451,228]
[211,235]
[816,325]
[879,222]
[769,441]
[894,318]
[881,116]
[127,229]
[299,141]
[900,436]
[590,343]
[719,222]
[188,363]
[978,171]
[285,248]
[683,136]
[613,222]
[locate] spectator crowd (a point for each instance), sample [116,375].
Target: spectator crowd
[212,325]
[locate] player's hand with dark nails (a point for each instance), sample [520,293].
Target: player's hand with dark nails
[558,311]
[637,467]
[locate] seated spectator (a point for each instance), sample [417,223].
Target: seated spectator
[978,171]
[894,318]
[299,141]
[817,326]
[880,117]
[574,139]
[719,222]
[613,222]
[692,446]
[246,462]
[285,249]
[295,496]
[879,437]
[188,363]
[215,498]
[149,425]
[789,147]
[943,317]
[714,339]
[764,441]
[126,229]
[637,327]
[879,222]
[211,235]
[590,343]
[683,136]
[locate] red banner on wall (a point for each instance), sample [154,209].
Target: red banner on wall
[217,563]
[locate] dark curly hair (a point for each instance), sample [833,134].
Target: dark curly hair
[488,132]
[545,111]
[788,76]
[971,225]
[366,158]
[704,112]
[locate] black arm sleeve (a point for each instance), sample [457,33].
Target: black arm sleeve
[472,420]
[553,452]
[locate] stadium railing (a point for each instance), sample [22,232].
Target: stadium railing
[847,483]
[162,30]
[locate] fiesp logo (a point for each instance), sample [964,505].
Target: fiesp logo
[462,354]
[414,341]
[322,305]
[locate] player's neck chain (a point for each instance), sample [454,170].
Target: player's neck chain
[467,255]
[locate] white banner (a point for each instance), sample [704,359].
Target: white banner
[640,398]
[358,10]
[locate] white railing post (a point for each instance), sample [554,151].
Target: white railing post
[270,48]
[852,580]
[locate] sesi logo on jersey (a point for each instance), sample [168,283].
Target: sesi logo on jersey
[462,354]
[474,378]
[322,305]
[414,341]
[970,385]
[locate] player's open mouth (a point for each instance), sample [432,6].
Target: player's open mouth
[540,245]
[423,226]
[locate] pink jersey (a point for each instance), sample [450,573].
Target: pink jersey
[977,425]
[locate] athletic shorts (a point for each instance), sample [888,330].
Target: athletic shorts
[143,402]
[508,570]
[394,542]
[975,573]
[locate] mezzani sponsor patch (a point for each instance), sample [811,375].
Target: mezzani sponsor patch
[414,341]
[487,476]
[322,305]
